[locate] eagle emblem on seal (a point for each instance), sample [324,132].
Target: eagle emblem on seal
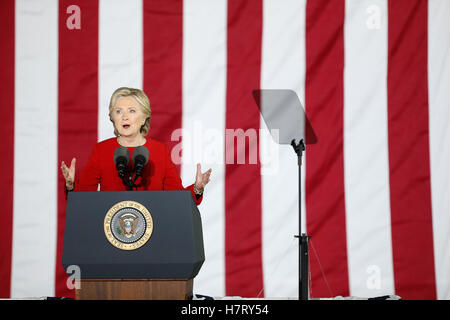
[128,223]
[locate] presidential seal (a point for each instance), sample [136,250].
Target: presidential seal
[128,225]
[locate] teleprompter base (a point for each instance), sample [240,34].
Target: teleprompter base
[135,289]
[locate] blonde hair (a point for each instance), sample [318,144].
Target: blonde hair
[142,100]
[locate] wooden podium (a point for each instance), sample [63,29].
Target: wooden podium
[133,244]
[135,289]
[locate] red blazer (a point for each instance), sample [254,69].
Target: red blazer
[159,173]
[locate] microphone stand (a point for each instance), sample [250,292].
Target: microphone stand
[127,179]
[130,183]
[303,251]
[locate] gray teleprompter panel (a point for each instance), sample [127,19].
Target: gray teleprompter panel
[284,116]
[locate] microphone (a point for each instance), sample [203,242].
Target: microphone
[121,159]
[140,159]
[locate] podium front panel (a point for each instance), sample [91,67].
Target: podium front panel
[173,251]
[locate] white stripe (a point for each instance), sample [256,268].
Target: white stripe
[120,54]
[283,67]
[366,168]
[35,158]
[204,85]
[439,120]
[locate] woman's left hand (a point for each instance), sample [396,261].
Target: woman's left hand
[201,179]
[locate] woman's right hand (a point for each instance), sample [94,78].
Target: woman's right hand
[69,174]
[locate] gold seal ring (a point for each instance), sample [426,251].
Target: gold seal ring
[128,225]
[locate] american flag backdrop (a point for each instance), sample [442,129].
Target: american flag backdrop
[373,76]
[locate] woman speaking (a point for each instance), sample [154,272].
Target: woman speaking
[130,113]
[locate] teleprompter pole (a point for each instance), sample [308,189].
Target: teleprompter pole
[303,265]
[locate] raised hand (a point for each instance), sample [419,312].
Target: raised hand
[201,179]
[69,173]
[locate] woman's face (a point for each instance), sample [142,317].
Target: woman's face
[128,117]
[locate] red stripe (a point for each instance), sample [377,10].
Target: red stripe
[163,48]
[324,185]
[243,253]
[78,105]
[409,160]
[7,30]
